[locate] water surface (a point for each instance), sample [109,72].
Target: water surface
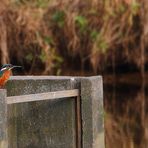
[126,115]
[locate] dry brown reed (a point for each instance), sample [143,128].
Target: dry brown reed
[98,33]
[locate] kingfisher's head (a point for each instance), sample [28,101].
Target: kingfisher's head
[6,67]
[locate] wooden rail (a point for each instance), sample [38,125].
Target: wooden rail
[43,96]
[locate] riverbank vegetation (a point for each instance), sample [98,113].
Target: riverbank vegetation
[50,36]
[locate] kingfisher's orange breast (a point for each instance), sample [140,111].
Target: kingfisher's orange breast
[4,78]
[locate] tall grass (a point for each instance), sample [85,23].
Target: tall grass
[45,34]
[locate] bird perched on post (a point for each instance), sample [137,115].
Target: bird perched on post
[5,73]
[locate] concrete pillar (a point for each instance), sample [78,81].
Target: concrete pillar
[92,112]
[3,120]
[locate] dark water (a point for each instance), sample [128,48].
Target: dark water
[126,116]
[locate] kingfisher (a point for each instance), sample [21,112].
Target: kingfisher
[5,73]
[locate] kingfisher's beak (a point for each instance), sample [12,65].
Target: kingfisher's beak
[15,66]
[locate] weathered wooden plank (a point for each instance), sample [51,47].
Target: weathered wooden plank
[43,96]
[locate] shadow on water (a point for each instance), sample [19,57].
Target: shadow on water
[126,116]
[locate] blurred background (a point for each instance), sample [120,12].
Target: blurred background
[91,37]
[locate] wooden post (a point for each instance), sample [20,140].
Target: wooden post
[3,120]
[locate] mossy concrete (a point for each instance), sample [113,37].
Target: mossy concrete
[3,120]
[92,111]
[51,124]
[42,124]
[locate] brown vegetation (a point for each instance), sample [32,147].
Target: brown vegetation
[92,34]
